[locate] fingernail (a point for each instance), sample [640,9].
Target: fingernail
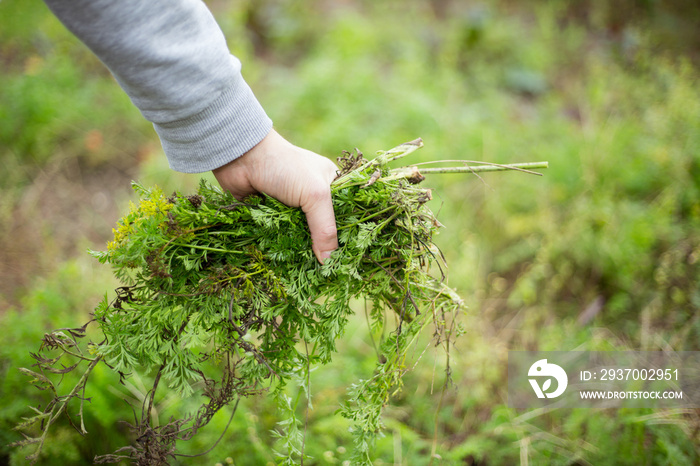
[325,255]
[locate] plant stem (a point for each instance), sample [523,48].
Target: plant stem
[206,248]
[489,168]
[376,214]
[382,159]
[60,407]
[404,149]
[410,171]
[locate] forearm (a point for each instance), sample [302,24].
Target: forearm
[172,60]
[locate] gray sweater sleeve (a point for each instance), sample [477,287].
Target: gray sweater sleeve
[172,60]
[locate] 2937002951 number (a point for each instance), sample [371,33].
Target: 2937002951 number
[639,374]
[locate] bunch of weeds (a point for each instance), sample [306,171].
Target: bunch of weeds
[211,281]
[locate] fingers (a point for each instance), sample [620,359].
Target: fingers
[321,219]
[324,236]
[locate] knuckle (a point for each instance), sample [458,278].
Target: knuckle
[326,232]
[318,193]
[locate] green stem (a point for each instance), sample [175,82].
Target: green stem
[483,168]
[490,168]
[206,248]
[367,218]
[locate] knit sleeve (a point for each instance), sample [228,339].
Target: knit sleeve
[171,58]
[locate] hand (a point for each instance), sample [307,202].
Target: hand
[292,175]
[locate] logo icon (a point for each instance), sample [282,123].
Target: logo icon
[543,369]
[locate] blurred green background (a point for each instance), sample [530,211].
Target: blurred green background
[602,253]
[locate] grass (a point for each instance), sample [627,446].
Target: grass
[613,105]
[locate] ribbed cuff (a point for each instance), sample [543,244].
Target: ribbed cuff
[232,125]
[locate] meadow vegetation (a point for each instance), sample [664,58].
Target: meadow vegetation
[602,253]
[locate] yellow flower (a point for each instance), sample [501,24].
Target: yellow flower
[154,205]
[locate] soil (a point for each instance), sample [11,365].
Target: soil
[68,207]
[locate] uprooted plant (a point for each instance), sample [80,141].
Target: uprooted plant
[210,281]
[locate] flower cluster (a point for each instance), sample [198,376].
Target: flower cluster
[155,206]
